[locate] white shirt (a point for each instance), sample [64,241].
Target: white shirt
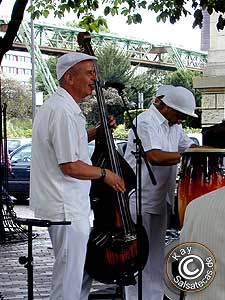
[59,136]
[204,224]
[155,133]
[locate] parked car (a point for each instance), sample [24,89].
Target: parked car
[19,180]
[14,143]
[196,137]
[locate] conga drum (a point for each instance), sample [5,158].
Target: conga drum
[202,171]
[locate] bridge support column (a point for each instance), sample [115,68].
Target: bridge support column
[212,83]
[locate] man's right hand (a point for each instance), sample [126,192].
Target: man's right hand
[115,181]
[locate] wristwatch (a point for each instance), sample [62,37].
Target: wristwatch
[103,173]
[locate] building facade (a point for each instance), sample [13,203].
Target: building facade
[17,65]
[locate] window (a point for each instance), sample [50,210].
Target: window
[22,156]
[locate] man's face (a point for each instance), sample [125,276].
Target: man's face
[82,78]
[175,116]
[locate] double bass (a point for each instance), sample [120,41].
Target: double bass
[117,247]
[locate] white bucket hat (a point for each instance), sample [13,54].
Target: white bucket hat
[178,98]
[67,61]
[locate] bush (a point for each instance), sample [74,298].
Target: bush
[120,132]
[19,128]
[133,115]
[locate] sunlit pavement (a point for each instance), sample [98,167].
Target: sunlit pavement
[13,275]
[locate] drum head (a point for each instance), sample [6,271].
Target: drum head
[204,150]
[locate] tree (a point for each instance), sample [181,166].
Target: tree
[166,9]
[17,97]
[147,83]
[40,86]
[185,79]
[114,66]
[12,27]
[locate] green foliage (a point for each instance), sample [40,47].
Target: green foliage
[101,25]
[171,10]
[17,97]
[120,132]
[40,86]
[113,104]
[89,107]
[19,128]
[133,113]
[114,64]
[90,23]
[185,78]
[193,130]
[147,83]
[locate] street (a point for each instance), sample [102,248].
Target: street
[13,284]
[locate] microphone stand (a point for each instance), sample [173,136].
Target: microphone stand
[139,155]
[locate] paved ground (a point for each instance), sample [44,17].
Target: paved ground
[13,275]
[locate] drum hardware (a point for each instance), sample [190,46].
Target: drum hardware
[207,176]
[28,261]
[119,294]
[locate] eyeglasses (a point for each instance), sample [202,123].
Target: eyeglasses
[179,115]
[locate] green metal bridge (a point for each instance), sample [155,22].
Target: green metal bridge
[56,40]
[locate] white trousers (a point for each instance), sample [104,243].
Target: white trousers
[69,281]
[153,273]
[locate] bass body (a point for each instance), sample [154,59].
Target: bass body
[117,247]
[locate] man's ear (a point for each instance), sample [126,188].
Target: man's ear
[68,78]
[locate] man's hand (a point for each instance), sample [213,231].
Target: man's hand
[115,181]
[98,131]
[111,123]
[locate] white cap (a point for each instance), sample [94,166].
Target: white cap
[178,98]
[67,61]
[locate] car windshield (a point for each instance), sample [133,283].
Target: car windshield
[13,144]
[22,155]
